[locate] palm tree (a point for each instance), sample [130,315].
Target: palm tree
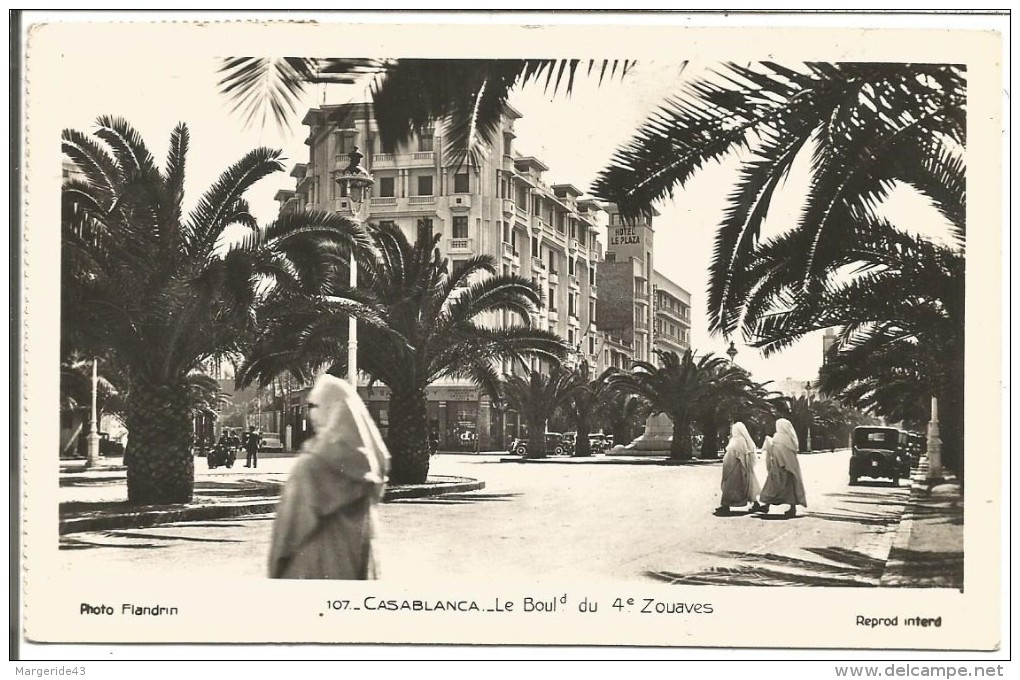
[676,387]
[162,291]
[537,396]
[586,403]
[418,322]
[469,94]
[734,396]
[867,127]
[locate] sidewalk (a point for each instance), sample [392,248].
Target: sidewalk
[95,499]
[927,551]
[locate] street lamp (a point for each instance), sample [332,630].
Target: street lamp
[807,390]
[92,439]
[934,444]
[732,351]
[359,184]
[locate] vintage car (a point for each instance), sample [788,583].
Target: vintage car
[553,444]
[270,442]
[879,452]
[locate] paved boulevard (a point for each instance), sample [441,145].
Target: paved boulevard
[566,520]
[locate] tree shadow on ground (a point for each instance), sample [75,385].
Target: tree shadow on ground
[151,540]
[455,499]
[929,568]
[838,567]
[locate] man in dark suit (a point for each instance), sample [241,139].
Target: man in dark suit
[251,446]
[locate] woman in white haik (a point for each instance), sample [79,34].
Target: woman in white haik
[784,483]
[325,524]
[739,483]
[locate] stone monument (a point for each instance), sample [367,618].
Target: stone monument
[655,441]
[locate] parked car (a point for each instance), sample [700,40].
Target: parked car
[271,442]
[917,446]
[879,452]
[569,441]
[553,444]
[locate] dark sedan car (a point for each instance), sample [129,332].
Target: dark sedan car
[879,452]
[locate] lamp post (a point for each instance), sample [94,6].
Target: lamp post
[807,391]
[92,439]
[732,352]
[359,184]
[934,444]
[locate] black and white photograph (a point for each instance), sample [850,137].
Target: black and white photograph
[505,333]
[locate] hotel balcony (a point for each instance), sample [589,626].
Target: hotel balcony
[421,200]
[554,316]
[593,255]
[508,206]
[537,265]
[460,245]
[521,213]
[574,283]
[554,278]
[573,320]
[383,201]
[417,159]
[575,245]
[508,251]
[641,297]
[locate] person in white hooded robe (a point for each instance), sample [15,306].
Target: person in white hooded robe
[739,483]
[784,483]
[325,526]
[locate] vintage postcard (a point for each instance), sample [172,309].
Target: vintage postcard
[599,330]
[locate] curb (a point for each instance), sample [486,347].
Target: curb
[893,575]
[622,460]
[149,518]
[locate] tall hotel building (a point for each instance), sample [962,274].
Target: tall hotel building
[500,207]
[640,309]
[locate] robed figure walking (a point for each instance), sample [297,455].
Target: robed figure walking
[739,483]
[325,525]
[784,483]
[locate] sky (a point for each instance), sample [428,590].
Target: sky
[575,136]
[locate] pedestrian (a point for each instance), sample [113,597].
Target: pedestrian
[784,483]
[739,483]
[251,447]
[325,526]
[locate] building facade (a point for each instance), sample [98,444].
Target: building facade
[671,307]
[500,206]
[641,310]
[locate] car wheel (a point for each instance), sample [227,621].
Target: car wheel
[558,450]
[522,451]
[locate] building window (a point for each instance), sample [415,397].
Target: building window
[591,276]
[427,221]
[570,266]
[552,299]
[508,143]
[591,311]
[534,247]
[425,185]
[460,226]
[425,141]
[458,267]
[552,262]
[571,340]
[387,224]
[460,183]
[513,241]
[572,304]
[386,186]
[591,344]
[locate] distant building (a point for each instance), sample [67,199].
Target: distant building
[828,342]
[500,207]
[640,309]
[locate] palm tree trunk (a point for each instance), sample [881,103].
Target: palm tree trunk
[709,438]
[582,447]
[680,448]
[160,467]
[408,437]
[536,437]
